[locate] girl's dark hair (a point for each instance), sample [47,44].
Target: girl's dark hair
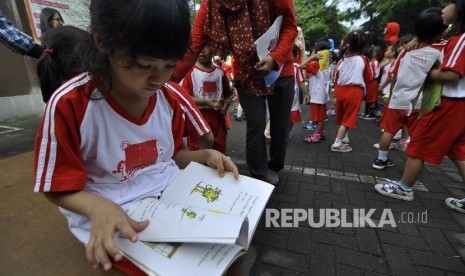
[61,59]
[321,44]
[459,24]
[151,28]
[356,42]
[45,16]
[429,25]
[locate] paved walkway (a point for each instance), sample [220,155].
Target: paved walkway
[314,178]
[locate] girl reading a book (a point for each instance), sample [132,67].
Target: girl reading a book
[235,25]
[112,136]
[437,134]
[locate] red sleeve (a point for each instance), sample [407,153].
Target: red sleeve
[198,41]
[58,164]
[288,33]
[186,83]
[395,69]
[313,67]
[454,55]
[368,72]
[191,112]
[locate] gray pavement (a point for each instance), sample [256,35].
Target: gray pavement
[317,178]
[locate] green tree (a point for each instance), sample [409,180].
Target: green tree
[378,12]
[318,19]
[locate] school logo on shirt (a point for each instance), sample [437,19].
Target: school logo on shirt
[209,87]
[137,157]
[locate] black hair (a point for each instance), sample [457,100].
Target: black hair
[429,25]
[151,28]
[459,24]
[321,44]
[405,39]
[61,58]
[395,49]
[45,16]
[356,42]
[295,50]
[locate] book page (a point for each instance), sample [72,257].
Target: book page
[180,258]
[202,187]
[176,222]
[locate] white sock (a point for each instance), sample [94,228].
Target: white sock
[382,155]
[337,142]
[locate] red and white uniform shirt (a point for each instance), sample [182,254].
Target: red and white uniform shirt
[87,141]
[385,75]
[207,85]
[318,83]
[299,78]
[411,69]
[353,70]
[454,60]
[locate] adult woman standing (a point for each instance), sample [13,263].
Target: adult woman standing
[234,25]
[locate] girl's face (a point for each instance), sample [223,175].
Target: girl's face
[449,13]
[56,21]
[205,57]
[388,53]
[142,79]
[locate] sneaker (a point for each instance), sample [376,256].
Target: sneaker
[392,189]
[368,117]
[380,164]
[314,138]
[401,145]
[272,177]
[456,204]
[376,145]
[341,148]
[398,135]
[331,112]
[345,140]
[310,126]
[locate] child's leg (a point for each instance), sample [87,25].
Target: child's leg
[412,171]
[385,141]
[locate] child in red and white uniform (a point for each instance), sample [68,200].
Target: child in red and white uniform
[437,134]
[210,90]
[318,88]
[352,73]
[408,75]
[112,136]
[299,85]
[372,86]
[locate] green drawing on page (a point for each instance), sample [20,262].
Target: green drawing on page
[188,212]
[208,192]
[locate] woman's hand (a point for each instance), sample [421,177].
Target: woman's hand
[265,66]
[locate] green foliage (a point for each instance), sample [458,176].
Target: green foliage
[318,19]
[378,13]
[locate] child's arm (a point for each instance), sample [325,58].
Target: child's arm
[215,105]
[107,219]
[212,158]
[305,90]
[443,76]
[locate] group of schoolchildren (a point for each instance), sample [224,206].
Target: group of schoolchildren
[431,135]
[116,89]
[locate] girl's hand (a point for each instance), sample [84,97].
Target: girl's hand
[107,220]
[215,105]
[220,162]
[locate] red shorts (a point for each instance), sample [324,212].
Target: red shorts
[440,133]
[348,101]
[128,267]
[217,124]
[318,112]
[395,119]
[295,117]
[372,92]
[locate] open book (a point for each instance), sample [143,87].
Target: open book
[266,44]
[200,225]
